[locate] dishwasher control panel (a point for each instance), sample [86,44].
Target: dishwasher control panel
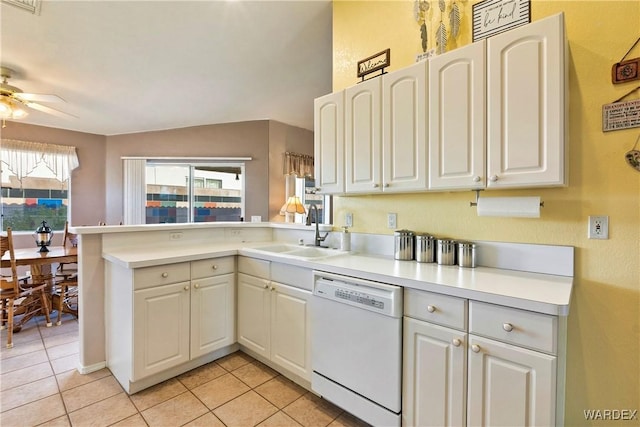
[377,297]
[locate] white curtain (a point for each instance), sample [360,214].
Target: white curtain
[22,157]
[135,191]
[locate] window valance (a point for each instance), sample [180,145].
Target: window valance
[22,157]
[298,164]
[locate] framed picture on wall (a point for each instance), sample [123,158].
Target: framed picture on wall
[491,17]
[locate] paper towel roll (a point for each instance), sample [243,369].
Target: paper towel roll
[523,207]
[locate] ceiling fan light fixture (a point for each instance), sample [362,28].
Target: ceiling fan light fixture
[10,109]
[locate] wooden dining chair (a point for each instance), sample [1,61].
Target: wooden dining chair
[65,286]
[24,299]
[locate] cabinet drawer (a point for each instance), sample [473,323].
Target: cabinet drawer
[161,275]
[254,267]
[520,327]
[298,277]
[436,308]
[212,267]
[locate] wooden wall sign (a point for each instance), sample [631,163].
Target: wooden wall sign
[491,17]
[376,62]
[625,71]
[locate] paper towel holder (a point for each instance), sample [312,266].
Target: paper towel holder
[472,204]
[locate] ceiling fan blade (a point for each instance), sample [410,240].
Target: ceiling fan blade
[38,97]
[49,110]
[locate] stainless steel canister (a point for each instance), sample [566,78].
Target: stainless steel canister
[404,244]
[466,254]
[446,252]
[425,248]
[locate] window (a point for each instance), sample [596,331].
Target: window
[35,184]
[194,192]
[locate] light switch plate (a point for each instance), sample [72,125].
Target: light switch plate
[348,219]
[392,220]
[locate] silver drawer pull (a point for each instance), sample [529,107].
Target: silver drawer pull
[186,288]
[456,342]
[197,286]
[215,267]
[266,286]
[507,327]
[475,348]
[431,308]
[165,275]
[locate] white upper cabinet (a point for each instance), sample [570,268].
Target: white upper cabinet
[404,123]
[363,167]
[329,143]
[526,106]
[456,119]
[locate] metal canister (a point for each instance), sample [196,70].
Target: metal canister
[404,245]
[446,252]
[425,248]
[467,254]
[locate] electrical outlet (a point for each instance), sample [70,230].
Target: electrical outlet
[392,220]
[175,235]
[598,227]
[348,219]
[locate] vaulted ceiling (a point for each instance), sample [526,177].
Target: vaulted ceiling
[133,66]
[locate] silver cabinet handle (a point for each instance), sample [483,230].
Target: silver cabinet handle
[476,178]
[431,308]
[165,275]
[493,178]
[266,286]
[386,185]
[273,288]
[376,185]
[197,286]
[507,327]
[215,267]
[475,348]
[456,342]
[186,288]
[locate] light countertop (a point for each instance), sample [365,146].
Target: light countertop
[543,293]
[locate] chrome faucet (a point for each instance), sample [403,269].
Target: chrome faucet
[317,239]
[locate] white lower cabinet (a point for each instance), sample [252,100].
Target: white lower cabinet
[165,318]
[273,317]
[509,385]
[435,375]
[505,368]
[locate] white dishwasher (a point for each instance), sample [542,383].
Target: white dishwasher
[356,346]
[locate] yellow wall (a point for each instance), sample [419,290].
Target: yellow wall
[603,369]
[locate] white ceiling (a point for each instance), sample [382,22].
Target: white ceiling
[133,66]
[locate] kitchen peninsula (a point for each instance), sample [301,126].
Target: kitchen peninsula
[535,286]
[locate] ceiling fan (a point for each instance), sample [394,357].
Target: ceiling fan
[13,100]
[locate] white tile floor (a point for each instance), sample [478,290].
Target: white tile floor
[40,386]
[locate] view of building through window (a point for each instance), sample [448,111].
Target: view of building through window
[179,193]
[38,197]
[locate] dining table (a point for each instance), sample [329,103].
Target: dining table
[40,263]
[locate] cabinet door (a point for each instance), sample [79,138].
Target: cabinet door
[290,335]
[329,143]
[404,123]
[363,161]
[526,105]
[160,328]
[456,119]
[434,375]
[509,385]
[212,314]
[253,313]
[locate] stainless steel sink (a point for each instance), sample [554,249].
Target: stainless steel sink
[297,251]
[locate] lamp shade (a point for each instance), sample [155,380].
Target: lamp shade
[294,205]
